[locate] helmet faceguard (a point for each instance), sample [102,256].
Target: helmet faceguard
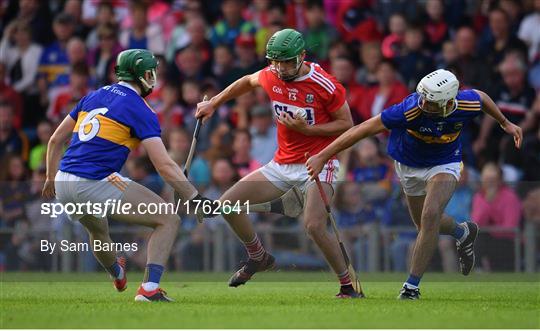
[438,91]
[285,51]
[287,70]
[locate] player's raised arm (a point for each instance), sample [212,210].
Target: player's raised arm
[205,109]
[168,169]
[489,107]
[54,153]
[368,128]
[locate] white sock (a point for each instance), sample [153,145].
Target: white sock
[149,286]
[410,286]
[121,274]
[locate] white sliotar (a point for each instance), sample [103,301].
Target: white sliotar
[300,113]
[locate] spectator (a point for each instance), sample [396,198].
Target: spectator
[38,152]
[12,97]
[14,192]
[529,32]
[449,55]
[187,64]
[373,171]
[496,205]
[263,133]
[12,140]
[355,218]
[178,143]
[435,28]
[105,16]
[530,151]
[103,56]
[74,9]
[318,34]
[355,22]
[223,65]
[392,43]
[296,14]
[414,63]
[247,61]
[169,111]
[396,214]
[242,160]
[275,18]
[469,67]
[194,33]
[514,97]
[140,169]
[142,34]
[503,40]
[191,95]
[370,56]
[227,29]
[37,15]
[64,98]
[343,69]
[21,58]
[90,10]
[389,91]
[54,60]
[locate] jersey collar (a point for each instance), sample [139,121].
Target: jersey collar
[306,76]
[128,85]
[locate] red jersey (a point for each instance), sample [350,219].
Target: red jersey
[319,93]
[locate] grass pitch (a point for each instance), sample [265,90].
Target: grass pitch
[270,300]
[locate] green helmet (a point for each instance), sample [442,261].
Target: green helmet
[284,45]
[132,65]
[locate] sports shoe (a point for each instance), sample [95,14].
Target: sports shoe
[348,292]
[155,295]
[409,293]
[465,249]
[121,284]
[247,269]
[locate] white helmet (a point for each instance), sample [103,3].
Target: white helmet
[439,87]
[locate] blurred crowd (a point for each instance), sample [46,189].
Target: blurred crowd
[54,52]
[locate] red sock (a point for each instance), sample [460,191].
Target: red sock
[344,278]
[255,249]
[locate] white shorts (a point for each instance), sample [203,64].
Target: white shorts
[414,180]
[285,176]
[74,189]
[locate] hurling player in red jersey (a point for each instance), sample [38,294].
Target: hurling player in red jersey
[311,112]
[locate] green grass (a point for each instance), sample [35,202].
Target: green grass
[271,300]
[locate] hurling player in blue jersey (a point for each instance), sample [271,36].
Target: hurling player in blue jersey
[424,142]
[104,127]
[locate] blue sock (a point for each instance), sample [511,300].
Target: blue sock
[458,232]
[413,280]
[153,273]
[114,270]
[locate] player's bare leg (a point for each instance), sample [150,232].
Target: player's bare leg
[98,230]
[254,188]
[439,191]
[316,225]
[161,240]
[464,233]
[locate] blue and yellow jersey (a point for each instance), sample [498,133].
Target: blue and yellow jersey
[111,122]
[419,141]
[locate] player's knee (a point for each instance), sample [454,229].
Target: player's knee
[315,227]
[169,221]
[431,215]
